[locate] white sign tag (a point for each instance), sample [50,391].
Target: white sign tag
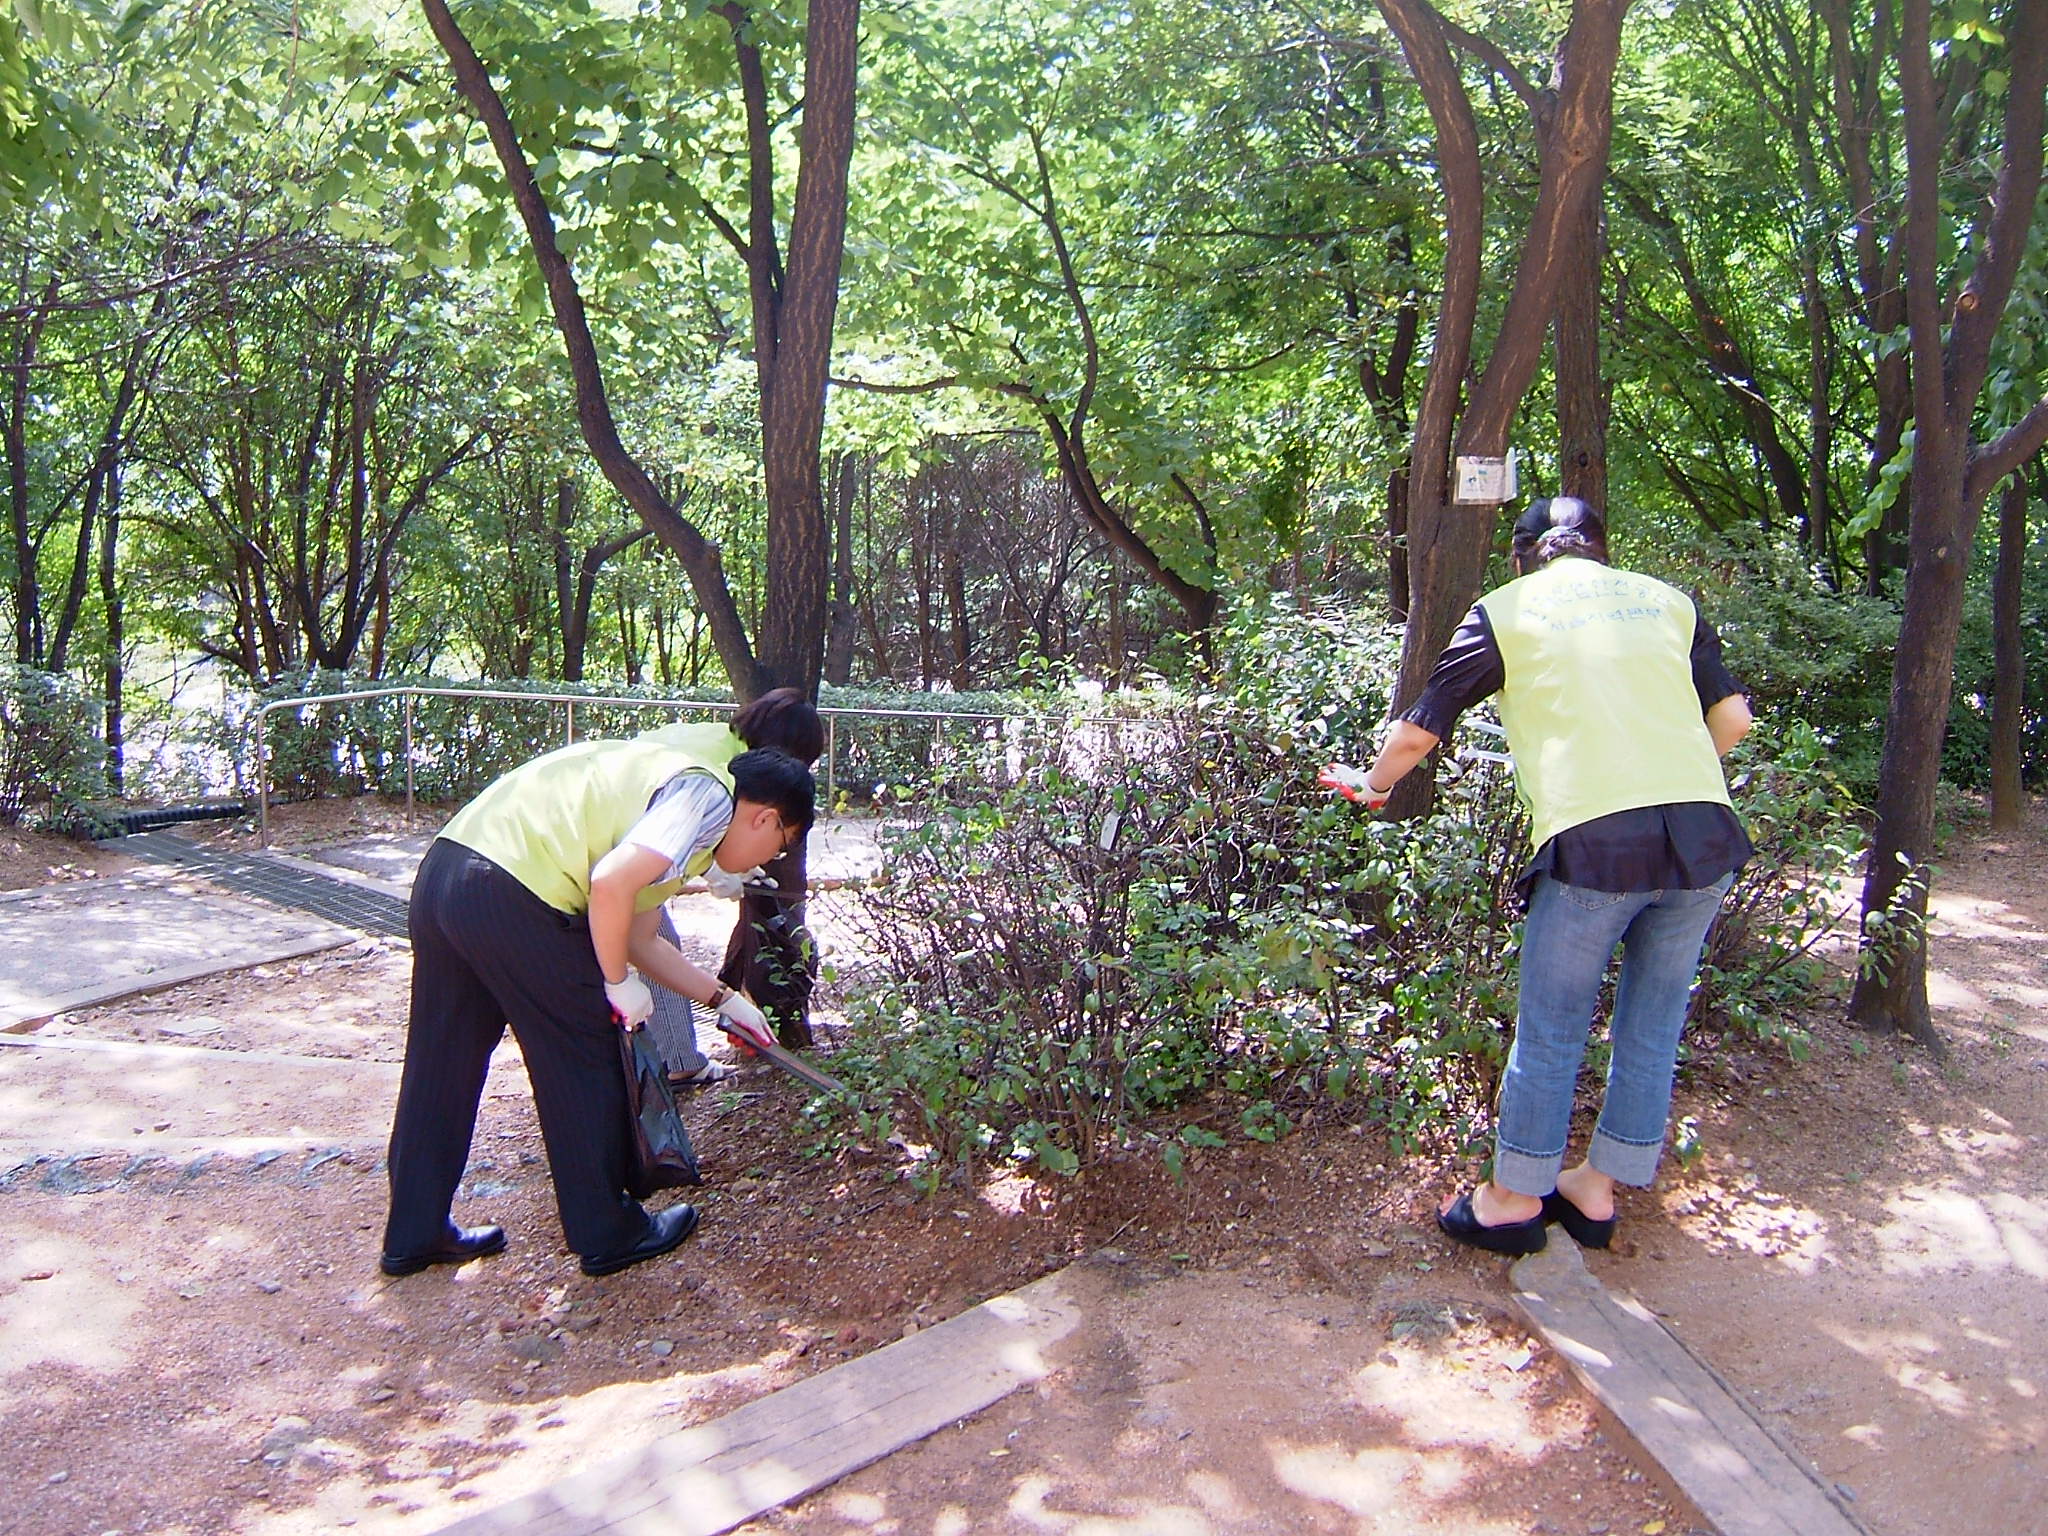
[1484,481]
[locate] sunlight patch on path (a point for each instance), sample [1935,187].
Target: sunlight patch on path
[1938,1228]
[62,1307]
[1743,1216]
[502,1448]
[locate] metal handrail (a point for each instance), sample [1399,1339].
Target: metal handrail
[410,693]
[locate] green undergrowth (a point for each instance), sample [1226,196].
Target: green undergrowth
[1146,916]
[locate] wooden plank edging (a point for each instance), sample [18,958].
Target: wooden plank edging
[705,1480]
[1733,1468]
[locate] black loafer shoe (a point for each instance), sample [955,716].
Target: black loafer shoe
[467,1243]
[1461,1225]
[1584,1230]
[665,1233]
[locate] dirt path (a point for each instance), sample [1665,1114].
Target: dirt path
[198,1342]
[1864,1249]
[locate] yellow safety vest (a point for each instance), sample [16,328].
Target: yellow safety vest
[1599,703]
[548,822]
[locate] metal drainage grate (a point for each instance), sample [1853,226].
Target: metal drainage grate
[277,882]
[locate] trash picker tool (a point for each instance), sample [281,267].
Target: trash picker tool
[803,1071]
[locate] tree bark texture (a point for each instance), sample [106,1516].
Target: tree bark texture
[1583,397]
[792,637]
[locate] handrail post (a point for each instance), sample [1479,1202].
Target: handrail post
[262,780]
[569,723]
[408,754]
[831,750]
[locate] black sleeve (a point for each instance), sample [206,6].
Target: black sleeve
[1469,669]
[1711,678]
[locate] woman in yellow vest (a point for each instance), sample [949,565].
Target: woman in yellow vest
[1618,709]
[532,908]
[783,718]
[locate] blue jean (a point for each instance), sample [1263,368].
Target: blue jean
[1570,936]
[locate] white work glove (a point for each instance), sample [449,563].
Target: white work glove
[724,883]
[631,1002]
[1354,784]
[738,1017]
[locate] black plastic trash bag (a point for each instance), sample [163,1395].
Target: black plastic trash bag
[662,1155]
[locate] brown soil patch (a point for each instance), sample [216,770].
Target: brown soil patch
[37,858]
[296,825]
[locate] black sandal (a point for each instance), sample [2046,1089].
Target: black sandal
[1583,1229]
[1462,1225]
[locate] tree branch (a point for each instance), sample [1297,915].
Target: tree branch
[1991,462]
[699,555]
[1482,49]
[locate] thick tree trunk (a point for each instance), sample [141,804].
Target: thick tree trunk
[1891,991]
[2009,665]
[792,633]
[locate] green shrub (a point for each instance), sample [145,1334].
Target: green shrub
[1805,653]
[1186,911]
[1760,967]
[51,762]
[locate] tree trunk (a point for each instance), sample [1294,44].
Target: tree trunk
[1732,371]
[850,471]
[573,615]
[1864,116]
[1447,543]
[700,557]
[2009,676]
[1950,479]
[793,419]
[113,663]
[1583,398]
[100,479]
[1891,991]
[28,603]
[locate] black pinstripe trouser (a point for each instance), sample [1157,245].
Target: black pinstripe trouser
[486,952]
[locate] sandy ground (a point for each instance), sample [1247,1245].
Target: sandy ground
[1865,1253]
[194,1338]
